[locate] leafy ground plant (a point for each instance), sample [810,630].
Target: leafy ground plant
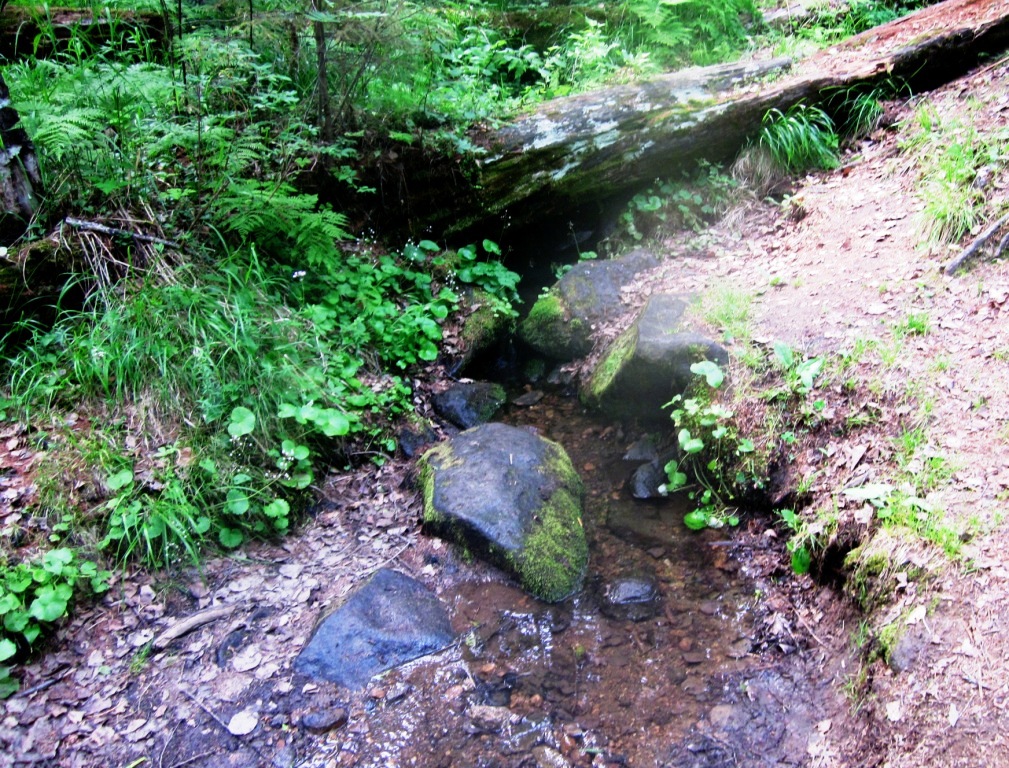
[36,594]
[715,465]
[690,203]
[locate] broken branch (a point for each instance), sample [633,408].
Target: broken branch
[180,628]
[103,229]
[977,244]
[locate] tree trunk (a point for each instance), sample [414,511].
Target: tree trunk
[585,148]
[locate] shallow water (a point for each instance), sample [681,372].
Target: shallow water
[531,684]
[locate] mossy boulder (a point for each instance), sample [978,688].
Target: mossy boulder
[514,498]
[649,363]
[484,325]
[561,322]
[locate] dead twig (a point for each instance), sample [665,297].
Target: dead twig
[187,625]
[978,243]
[208,710]
[103,229]
[192,759]
[42,686]
[161,757]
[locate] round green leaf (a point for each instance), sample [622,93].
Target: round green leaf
[119,480]
[335,424]
[7,649]
[16,621]
[50,603]
[692,445]
[710,371]
[695,520]
[428,351]
[237,502]
[230,538]
[278,508]
[243,421]
[677,480]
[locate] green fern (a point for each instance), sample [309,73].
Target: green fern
[276,217]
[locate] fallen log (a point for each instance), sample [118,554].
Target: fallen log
[43,31]
[581,149]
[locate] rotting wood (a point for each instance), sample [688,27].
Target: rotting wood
[20,179]
[581,149]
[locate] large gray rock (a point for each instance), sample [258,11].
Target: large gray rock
[392,619]
[560,323]
[514,498]
[649,363]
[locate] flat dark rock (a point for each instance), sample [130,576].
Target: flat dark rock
[467,404]
[630,597]
[390,620]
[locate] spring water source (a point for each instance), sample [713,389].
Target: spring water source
[696,674]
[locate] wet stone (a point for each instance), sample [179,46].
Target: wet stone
[646,480]
[642,449]
[649,363]
[488,718]
[285,757]
[411,441]
[631,597]
[739,649]
[392,619]
[546,757]
[467,404]
[528,399]
[532,730]
[709,607]
[561,322]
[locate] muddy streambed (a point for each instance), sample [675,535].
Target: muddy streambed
[715,677]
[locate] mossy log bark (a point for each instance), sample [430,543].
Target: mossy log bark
[573,151]
[20,180]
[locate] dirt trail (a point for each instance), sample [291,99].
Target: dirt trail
[843,263]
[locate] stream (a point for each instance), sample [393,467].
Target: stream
[707,674]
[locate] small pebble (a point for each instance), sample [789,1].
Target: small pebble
[323,721]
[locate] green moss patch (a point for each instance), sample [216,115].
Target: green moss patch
[548,328]
[556,555]
[610,366]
